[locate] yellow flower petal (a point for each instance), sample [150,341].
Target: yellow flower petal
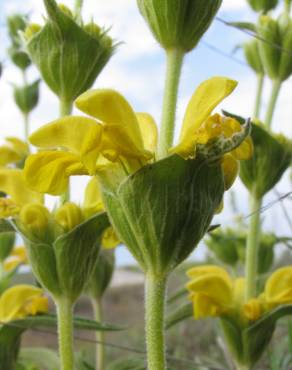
[18,145]
[278,289]
[208,269]
[205,307]
[12,182]
[110,239]
[92,203]
[14,301]
[208,95]
[49,172]
[81,135]
[230,169]
[244,151]
[120,121]
[252,310]
[8,155]
[17,257]
[148,130]
[214,286]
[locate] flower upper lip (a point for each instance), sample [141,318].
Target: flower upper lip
[115,133]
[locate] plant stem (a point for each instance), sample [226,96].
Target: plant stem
[65,110]
[253,237]
[65,107]
[174,59]
[100,349]
[65,333]
[154,311]
[272,103]
[260,85]
[26,125]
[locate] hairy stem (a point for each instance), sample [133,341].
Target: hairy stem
[260,85]
[65,333]
[253,238]
[174,59]
[100,349]
[154,310]
[272,103]
[65,110]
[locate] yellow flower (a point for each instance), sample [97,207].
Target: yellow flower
[210,290]
[14,150]
[117,134]
[200,127]
[17,257]
[215,293]
[21,301]
[89,143]
[18,194]
[278,288]
[93,204]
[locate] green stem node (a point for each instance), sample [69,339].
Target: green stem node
[252,247]
[154,310]
[65,333]
[174,59]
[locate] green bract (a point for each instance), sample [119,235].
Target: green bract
[263,5]
[68,57]
[277,49]
[178,24]
[26,97]
[102,274]
[249,343]
[252,55]
[229,246]
[64,265]
[272,156]
[7,240]
[163,210]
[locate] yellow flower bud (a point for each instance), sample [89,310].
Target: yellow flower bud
[68,216]
[252,310]
[92,29]
[110,239]
[8,208]
[65,10]
[31,30]
[35,218]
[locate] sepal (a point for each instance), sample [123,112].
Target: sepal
[65,265]
[68,57]
[27,97]
[163,210]
[178,24]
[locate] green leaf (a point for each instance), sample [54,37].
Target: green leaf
[177,295]
[5,226]
[41,357]
[163,210]
[247,26]
[182,313]
[50,320]
[128,364]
